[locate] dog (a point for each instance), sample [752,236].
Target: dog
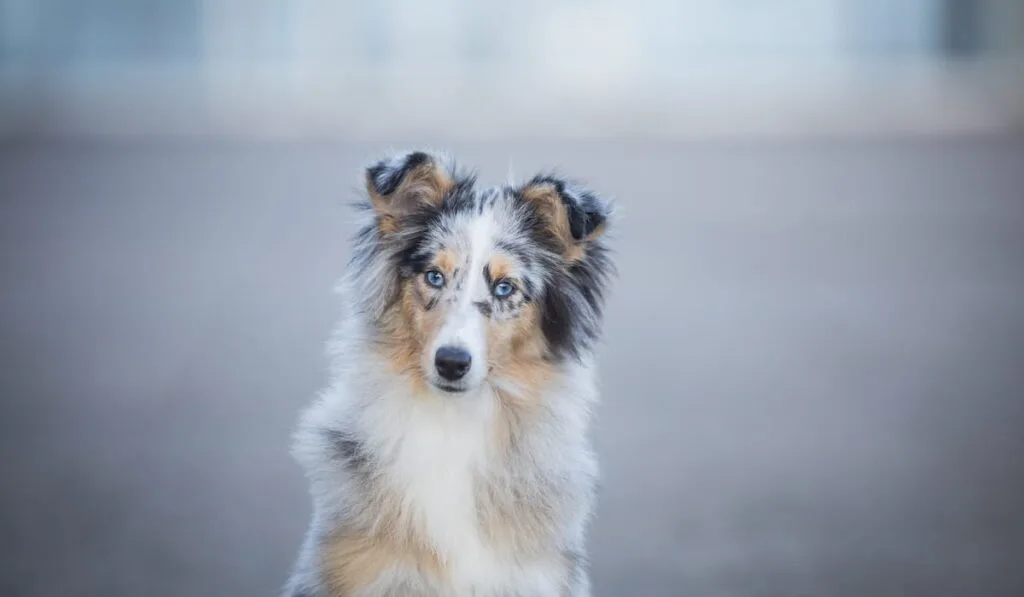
[449,454]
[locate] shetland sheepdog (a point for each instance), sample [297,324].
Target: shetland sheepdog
[449,454]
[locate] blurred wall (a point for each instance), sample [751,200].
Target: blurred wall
[465,67]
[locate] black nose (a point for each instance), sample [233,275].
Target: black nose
[452,363]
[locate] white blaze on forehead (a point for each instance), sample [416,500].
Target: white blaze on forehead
[464,325]
[481,244]
[479,238]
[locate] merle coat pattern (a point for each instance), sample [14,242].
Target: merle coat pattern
[431,478]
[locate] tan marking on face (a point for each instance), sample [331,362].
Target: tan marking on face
[515,344]
[500,267]
[520,363]
[402,326]
[409,326]
[516,341]
[446,261]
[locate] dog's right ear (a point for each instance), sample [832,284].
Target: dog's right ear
[401,184]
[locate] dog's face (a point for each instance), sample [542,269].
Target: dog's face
[469,307]
[476,285]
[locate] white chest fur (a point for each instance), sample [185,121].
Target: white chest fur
[438,450]
[435,454]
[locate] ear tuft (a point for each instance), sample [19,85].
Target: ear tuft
[587,212]
[573,213]
[400,184]
[385,176]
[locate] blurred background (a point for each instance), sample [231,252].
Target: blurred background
[822,201]
[370,68]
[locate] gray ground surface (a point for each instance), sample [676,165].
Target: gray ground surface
[813,372]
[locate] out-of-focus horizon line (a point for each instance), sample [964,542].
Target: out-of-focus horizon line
[905,100]
[322,68]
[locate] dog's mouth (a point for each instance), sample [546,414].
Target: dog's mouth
[449,388]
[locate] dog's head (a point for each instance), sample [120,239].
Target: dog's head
[469,285]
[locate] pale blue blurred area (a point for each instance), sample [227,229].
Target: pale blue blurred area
[813,369]
[468,68]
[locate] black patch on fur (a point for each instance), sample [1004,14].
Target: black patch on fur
[528,290]
[414,260]
[586,212]
[347,448]
[414,256]
[573,295]
[386,175]
[484,307]
[557,323]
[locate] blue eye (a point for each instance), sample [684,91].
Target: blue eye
[503,289]
[434,278]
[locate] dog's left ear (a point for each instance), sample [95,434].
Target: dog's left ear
[576,216]
[400,184]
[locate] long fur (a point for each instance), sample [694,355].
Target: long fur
[487,491]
